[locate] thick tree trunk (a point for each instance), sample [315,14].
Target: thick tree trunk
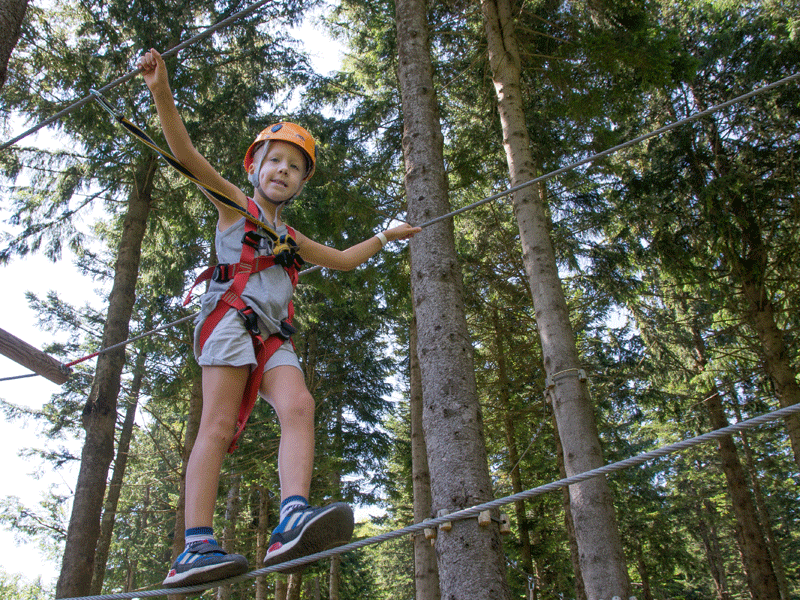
[569,523]
[115,485]
[470,558]
[12,13]
[777,357]
[426,573]
[100,412]
[602,558]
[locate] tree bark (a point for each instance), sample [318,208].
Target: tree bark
[761,505]
[100,412]
[294,587]
[644,574]
[470,558]
[12,14]
[602,558]
[281,586]
[262,539]
[426,573]
[569,523]
[192,427]
[335,577]
[232,506]
[115,485]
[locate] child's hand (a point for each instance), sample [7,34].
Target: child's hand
[402,232]
[153,70]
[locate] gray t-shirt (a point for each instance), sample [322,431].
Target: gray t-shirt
[267,292]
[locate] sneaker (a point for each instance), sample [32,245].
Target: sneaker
[203,563]
[308,530]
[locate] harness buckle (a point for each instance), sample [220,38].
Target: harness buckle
[253,239]
[287,330]
[250,320]
[285,251]
[222,273]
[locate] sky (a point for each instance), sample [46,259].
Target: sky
[27,478]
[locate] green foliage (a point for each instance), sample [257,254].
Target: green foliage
[15,586]
[649,241]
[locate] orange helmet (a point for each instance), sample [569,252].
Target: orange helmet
[286,132]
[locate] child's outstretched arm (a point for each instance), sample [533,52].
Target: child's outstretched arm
[345,260]
[156,77]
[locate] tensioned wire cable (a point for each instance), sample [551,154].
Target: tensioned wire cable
[507,192]
[130,75]
[614,149]
[473,511]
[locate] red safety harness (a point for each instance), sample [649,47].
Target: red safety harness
[240,272]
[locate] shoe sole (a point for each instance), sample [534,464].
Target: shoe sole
[325,531]
[206,574]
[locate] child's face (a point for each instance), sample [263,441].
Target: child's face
[282,171]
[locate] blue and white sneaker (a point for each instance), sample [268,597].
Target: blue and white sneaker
[203,563]
[308,530]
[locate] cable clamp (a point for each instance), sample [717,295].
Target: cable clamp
[105,104]
[550,380]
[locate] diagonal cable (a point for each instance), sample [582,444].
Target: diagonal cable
[614,149]
[130,75]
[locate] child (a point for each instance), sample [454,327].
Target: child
[278,164]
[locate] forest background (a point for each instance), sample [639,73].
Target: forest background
[660,248]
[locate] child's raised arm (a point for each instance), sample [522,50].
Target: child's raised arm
[156,77]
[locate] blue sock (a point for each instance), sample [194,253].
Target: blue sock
[198,535]
[287,507]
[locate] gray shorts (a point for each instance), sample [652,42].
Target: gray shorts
[230,345]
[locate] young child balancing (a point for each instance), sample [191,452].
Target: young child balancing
[278,163]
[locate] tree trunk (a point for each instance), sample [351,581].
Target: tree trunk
[707,530]
[281,586]
[192,427]
[747,255]
[426,573]
[761,505]
[232,506]
[470,558]
[602,558]
[262,539]
[569,523]
[761,578]
[115,485]
[335,577]
[511,444]
[644,574]
[12,13]
[100,412]
[294,586]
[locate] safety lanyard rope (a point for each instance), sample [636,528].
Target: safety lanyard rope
[137,132]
